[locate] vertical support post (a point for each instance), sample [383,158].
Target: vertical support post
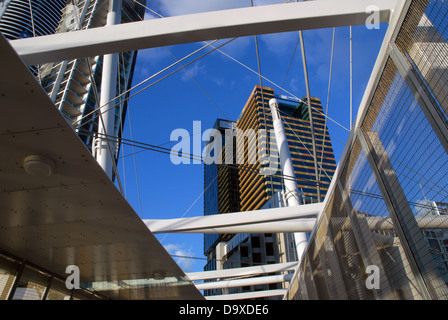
[289,177]
[401,214]
[310,111]
[108,93]
[16,280]
[425,101]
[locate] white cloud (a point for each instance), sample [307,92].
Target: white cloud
[193,71]
[278,42]
[180,7]
[180,254]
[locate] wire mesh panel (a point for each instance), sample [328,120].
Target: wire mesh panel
[388,207]
[309,280]
[352,264]
[423,39]
[413,166]
[330,264]
[377,236]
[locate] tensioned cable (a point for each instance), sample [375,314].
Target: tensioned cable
[157,81]
[310,111]
[243,167]
[200,87]
[131,133]
[278,86]
[300,140]
[328,99]
[149,147]
[161,71]
[135,164]
[122,129]
[250,69]
[189,74]
[261,87]
[149,78]
[34,34]
[290,63]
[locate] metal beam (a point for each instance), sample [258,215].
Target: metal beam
[249,295]
[237,222]
[244,282]
[377,223]
[199,27]
[240,272]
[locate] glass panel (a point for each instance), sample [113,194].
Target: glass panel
[422,39]
[8,273]
[348,252]
[414,167]
[318,273]
[32,284]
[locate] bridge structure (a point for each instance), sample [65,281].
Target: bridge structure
[372,218]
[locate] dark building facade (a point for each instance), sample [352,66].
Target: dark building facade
[258,181]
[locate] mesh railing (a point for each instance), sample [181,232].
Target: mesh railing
[383,232]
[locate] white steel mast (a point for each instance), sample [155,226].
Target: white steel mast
[289,177]
[106,124]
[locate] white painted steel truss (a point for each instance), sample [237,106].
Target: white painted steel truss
[210,26]
[200,27]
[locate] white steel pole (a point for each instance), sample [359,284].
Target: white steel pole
[289,177]
[106,122]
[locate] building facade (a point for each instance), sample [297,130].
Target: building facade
[220,191]
[74,86]
[261,175]
[25,18]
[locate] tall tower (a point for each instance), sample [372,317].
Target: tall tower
[25,18]
[28,18]
[260,180]
[75,85]
[256,188]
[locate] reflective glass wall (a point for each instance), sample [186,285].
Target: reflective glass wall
[20,280]
[384,230]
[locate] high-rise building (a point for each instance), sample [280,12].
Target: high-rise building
[220,190]
[74,86]
[260,180]
[256,188]
[28,18]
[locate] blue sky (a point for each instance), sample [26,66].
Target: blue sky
[170,191]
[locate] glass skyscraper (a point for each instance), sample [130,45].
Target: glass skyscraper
[258,180]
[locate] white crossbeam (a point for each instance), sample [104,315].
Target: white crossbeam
[272,222]
[199,27]
[244,282]
[277,219]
